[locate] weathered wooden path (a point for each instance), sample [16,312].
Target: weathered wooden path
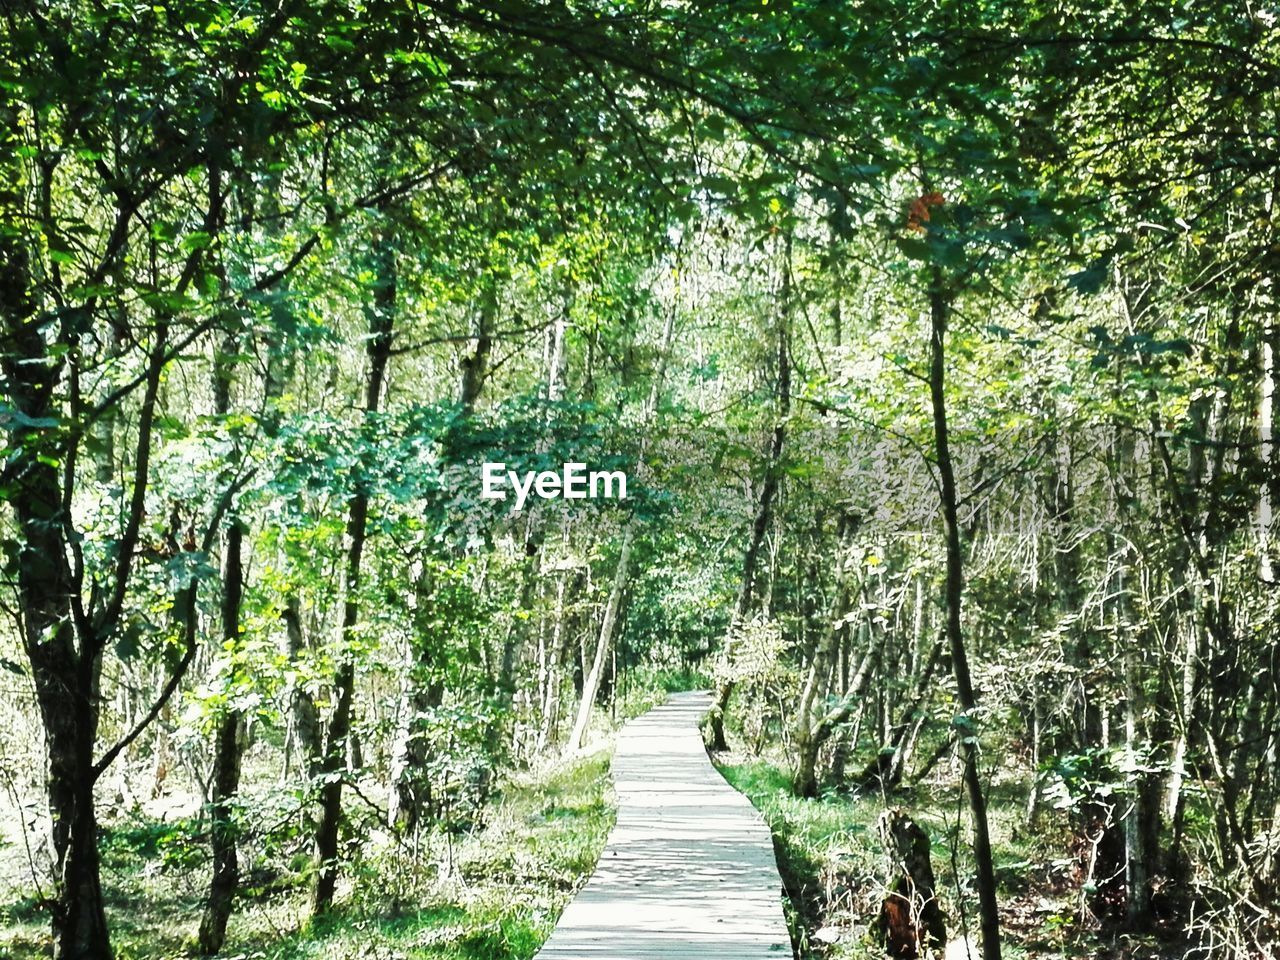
[689,871]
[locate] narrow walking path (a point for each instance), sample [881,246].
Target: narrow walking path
[689,871]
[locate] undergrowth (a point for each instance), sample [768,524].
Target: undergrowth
[493,893]
[831,864]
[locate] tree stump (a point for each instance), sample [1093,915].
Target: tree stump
[911,924]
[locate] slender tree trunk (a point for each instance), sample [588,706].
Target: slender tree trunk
[229,739]
[837,229]
[550,686]
[302,706]
[423,694]
[381,315]
[604,641]
[764,507]
[939,314]
[228,751]
[1268,375]
[1138,899]
[475,365]
[514,641]
[887,768]
[516,638]
[746,590]
[813,728]
[1033,791]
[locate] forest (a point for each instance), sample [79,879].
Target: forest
[937,340]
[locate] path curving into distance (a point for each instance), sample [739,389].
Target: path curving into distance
[689,871]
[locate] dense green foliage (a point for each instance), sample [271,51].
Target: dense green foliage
[938,342]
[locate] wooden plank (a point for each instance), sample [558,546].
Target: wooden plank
[689,871]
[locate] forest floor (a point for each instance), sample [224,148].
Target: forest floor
[490,893]
[493,887]
[831,861]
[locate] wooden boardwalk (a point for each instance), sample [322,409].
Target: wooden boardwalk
[689,871]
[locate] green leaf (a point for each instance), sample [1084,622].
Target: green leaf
[199,240]
[129,645]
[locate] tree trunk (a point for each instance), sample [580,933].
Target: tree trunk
[381,313]
[939,315]
[604,641]
[1268,376]
[592,675]
[423,694]
[764,508]
[80,919]
[306,718]
[550,703]
[886,769]
[475,366]
[1137,881]
[812,729]
[64,675]
[498,735]
[65,679]
[911,923]
[228,752]
[229,740]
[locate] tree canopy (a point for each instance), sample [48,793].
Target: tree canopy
[937,342]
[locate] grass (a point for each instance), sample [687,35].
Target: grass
[492,894]
[831,863]
[826,849]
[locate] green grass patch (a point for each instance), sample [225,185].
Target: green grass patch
[492,894]
[831,863]
[826,849]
